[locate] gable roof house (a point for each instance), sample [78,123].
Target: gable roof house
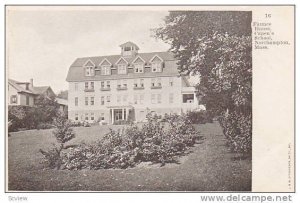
[24,93]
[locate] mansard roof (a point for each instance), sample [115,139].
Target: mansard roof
[76,71]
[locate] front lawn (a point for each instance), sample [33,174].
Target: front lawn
[209,167]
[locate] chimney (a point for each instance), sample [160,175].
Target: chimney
[31,83]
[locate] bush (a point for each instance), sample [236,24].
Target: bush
[22,117]
[200,117]
[39,116]
[63,133]
[154,142]
[237,127]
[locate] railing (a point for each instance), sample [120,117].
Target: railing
[105,88]
[122,88]
[156,87]
[89,90]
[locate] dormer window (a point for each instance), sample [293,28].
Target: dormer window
[156,64]
[156,67]
[122,66]
[138,65]
[122,69]
[105,70]
[89,71]
[105,67]
[89,68]
[138,68]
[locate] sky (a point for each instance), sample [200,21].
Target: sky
[42,43]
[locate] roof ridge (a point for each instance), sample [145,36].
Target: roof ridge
[84,57]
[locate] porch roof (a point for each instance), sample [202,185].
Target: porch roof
[121,107]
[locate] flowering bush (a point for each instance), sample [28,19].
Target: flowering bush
[237,127]
[155,141]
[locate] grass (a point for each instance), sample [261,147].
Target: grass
[209,167]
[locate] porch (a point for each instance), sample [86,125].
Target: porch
[120,113]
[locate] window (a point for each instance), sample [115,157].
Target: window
[27,100]
[119,84]
[153,98]
[105,70]
[89,71]
[107,98]
[142,82]
[122,69]
[13,99]
[103,84]
[92,117]
[138,68]
[86,116]
[102,100]
[127,48]
[159,98]
[86,101]
[188,98]
[86,86]
[76,101]
[76,87]
[159,82]
[92,101]
[141,98]
[125,83]
[135,84]
[153,82]
[171,81]
[156,67]
[76,116]
[102,116]
[92,85]
[171,98]
[135,99]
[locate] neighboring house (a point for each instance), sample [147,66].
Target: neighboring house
[24,93]
[63,105]
[19,93]
[132,84]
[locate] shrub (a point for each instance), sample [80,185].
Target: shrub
[237,127]
[22,117]
[153,142]
[200,117]
[63,133]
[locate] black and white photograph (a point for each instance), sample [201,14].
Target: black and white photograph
[126,99]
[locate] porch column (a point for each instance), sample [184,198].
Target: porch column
[112,116]
[123,115]
[127,114]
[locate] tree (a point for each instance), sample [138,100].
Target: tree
[63,134]
[46,108]
[217,47]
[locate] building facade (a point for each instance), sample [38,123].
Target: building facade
[127,87]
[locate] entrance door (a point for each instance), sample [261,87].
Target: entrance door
[118,114]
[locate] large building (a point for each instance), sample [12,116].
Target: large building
[127,86]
